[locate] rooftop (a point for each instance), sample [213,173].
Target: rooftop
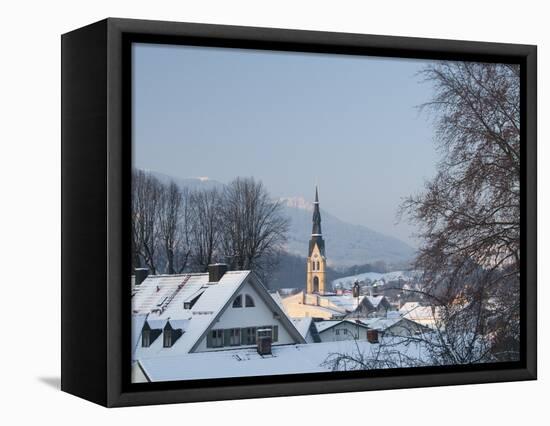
[289,359]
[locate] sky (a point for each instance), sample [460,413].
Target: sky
[293,120]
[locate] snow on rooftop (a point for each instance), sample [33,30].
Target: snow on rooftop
[323,325]
[302,325]
[288,359]
[380,324]
[347,282]
[169,292]
[375,300]
[345,301]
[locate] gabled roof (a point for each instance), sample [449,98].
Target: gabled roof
[302,325]
[326,325]
[170,292]
[382,324]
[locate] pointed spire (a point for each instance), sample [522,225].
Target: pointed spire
[316,215]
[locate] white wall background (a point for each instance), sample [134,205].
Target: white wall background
[30,197]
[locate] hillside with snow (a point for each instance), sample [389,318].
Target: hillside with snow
[347,244]
[347,282]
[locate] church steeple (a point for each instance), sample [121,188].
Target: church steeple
[316,215]
[316,261]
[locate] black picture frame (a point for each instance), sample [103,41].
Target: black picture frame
[96,165]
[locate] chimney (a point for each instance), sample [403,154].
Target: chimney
[141,274]
[372,335]
[216,271]
[264,338]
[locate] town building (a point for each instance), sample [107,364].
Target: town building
[180,314]
[395,325]
[338,330]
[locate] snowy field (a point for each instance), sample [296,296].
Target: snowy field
[347,282]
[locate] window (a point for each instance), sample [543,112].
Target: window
[249,302]
[313,265]
[238,302]
[337,332]
[248,336]
[146,338]
[345,331]
[190,303]
[167,342]
[232,337]
[215,339]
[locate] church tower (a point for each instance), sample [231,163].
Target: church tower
[316,261]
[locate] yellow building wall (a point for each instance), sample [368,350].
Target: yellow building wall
[313,272]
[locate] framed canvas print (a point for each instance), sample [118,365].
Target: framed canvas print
[254,212]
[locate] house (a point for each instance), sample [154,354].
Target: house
[372,306]
[395,325]
[335,306]
[220,310]
[338,330]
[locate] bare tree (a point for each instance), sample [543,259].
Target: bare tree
[470,212]
[391,352]
[254,228]
[173,223]
[205,228]
[146,194]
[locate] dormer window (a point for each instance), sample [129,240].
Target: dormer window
[167,338]
[170,335]
[146,338]
[248,301]
[238,302]
[149,335]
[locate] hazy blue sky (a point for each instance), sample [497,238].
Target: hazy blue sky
[291,120]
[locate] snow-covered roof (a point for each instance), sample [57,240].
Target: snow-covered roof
[415,311]
[380,324]
[375,300]
[161,292]
[137,326]
[170,291]
[347,282]
[325,325]
[345,301]
[302,325]
[278,300]
[287,359]
[161,298]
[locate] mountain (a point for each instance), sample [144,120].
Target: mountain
[202,182]
[346,244]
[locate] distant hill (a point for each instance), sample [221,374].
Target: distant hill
[405,276]
[191,183]
[346,244]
